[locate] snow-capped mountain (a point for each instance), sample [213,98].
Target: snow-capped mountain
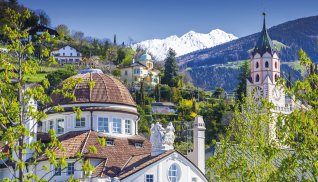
[187,43]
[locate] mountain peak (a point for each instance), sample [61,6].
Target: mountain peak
[189,42]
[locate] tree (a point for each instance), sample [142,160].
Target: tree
[18,113]
[171,70]
[115,40]
[63,30]
[43,18]
[245,73]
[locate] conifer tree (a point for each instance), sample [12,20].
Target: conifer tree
[115,40]
[240,90]
[171,70]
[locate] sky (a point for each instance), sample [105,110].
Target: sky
[148,19]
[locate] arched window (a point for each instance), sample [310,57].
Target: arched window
[276,65]
[257,65]
[276,77]
[173,173]
[257,78]
[266,64]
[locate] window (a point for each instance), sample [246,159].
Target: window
[266,64]
[60,126]
[173,173]
[138,145]
[103,124]
[194,179]
[109,142]
[51,124]
[80,122]
[276,77]
[70,169]
[257,65]
[116,125]
[126,73]
[78,54]
[63,53]
[135,71]
[71,54]
[127,127]
[276,65]
[149,177]
[257,78]
[58,171]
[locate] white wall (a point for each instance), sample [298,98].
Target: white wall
[70,120]
[78,173]
[160,170]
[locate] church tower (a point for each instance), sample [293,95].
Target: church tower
[265,70]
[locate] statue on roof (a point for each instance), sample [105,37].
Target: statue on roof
[162,139]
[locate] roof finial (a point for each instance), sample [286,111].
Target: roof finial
[264,23]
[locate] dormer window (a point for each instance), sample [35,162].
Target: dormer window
[109,142]
[139,145]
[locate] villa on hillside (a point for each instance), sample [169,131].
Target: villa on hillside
[39,30]
[139,70]
[67,55]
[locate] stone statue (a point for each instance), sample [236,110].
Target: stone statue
[160,138]
[169,135]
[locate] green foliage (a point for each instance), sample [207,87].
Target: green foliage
[88,168]
[245,73]
[171,70]
[143,124]
[116,72]
[56,77]
[125,56]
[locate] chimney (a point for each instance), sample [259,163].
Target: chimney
[197,155]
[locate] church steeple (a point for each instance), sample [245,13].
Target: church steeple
[264,43]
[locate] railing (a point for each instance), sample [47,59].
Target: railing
[283,109]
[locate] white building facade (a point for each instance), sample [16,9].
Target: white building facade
[67,55]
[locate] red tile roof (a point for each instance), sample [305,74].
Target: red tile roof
[120,160]
[107,89]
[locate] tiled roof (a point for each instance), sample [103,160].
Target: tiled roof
[106,90]
[120,160]
[264,43]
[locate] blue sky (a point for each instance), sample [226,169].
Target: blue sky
[148,19]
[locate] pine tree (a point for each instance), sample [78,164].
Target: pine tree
[115,40]
[171,70]
[142,95]
[157,93]
[245,72]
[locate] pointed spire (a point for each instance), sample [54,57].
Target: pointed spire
[264,43]
[264,21]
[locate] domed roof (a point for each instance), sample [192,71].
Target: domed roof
[106,90]
[145,57]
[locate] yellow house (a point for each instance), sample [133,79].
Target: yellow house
[140,70]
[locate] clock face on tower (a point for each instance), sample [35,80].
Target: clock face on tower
[258,92]
[276,93]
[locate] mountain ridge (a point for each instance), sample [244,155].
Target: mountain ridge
[188,42]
